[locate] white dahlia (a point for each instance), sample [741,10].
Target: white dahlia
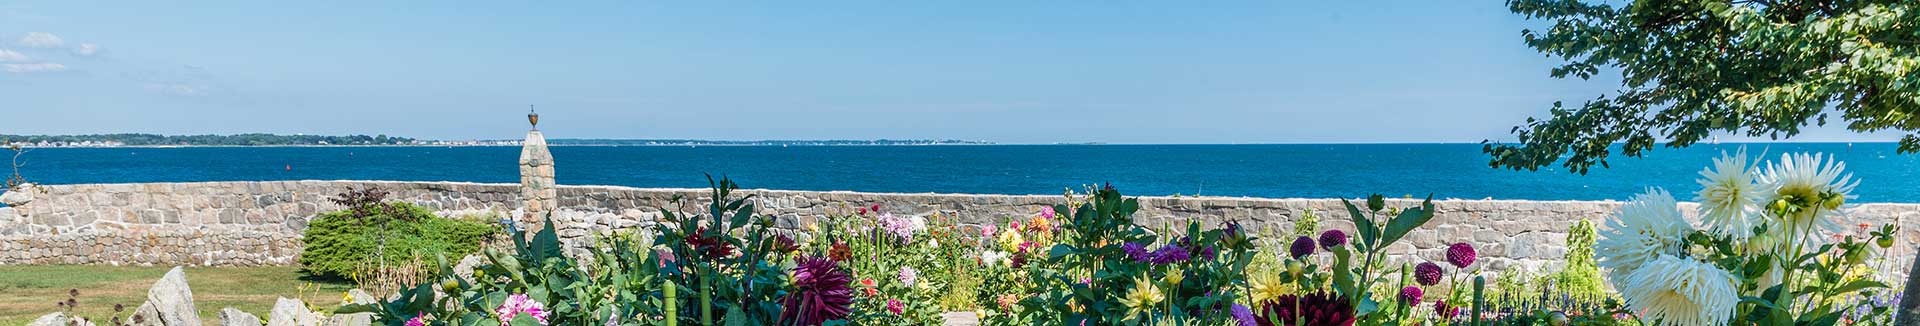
[1810,189]
[1676,291]
[1729,199]
[1643,228]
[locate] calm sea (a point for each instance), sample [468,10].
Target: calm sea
[1314,171]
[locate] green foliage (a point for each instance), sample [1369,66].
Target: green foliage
[339,244]
[726,257]
[1580,278]
[1695,68]
[1308,223]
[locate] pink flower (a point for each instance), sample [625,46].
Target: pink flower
[520,304]
[876,208]
[988,231]
[895,306]
[1046,212]
[418,320]
[862,210]
[1015,225]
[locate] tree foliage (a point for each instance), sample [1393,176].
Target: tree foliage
[1690,68]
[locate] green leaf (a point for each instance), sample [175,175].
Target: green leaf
[1342,274]
[1857,285]
[546,243]
[1361,223]
[1407,221]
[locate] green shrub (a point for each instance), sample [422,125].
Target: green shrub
[1580,279]
[340,243]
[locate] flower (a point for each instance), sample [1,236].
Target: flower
[901,228]
[418,320]
[1318,308]
[1242,316]
[784,244]
[820,293]
[1808,189]
[839,251]
[867,282]
[346,298]
[992,258]
[1680,291]
[895,306]
[1138,252]
[1461,255]
[1302,247]
[1332,238]
[1006,301]
[1265,287]
[1010,239]
[1141,298]
[709,247]
[1642,229]
[908,275]
[875,208]
[1444,310]
[1729,197]
[1046,212]
[1411,295]
[1170,255]
[1427,274]
[520,304]
[861,211]
[987,231]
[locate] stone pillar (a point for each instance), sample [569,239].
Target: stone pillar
[536,177]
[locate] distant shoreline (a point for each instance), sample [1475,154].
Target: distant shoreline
[873,145]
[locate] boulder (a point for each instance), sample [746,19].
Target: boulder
[361,296]
[169,302]
[464,269]
[18,196]
[59,319]
[235,317]
[353,319]
[290,312]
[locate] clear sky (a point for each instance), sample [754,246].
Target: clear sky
[1003,71]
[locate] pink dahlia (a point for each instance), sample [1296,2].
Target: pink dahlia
[418,320]
[520,304]
[1460,255]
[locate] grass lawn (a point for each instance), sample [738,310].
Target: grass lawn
[31,291]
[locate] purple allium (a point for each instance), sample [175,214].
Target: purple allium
[820,293]
[1243,316]
[1460,255]
[1302,247]
[1332,238]
[1411,295]
[1170,255]
[1136,251]
[1427,273]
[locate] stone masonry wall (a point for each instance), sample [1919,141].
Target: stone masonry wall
[259,223]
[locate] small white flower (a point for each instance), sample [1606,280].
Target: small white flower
[1677,291]
[1729,199]
[1644,228]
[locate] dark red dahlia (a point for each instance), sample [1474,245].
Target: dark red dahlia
[1315,309]
[1301,247]
[1444,310]
[1427,273]
[820,293]
[784,244]
[1411,295]
[839,252]
[1332,238]
[1461,255]
[1019,260]
[709,247]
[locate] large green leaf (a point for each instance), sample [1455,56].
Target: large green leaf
[1361,224]
[546,243]
[1408,220]
[1342,274]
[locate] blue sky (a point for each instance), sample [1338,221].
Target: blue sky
[1003,71]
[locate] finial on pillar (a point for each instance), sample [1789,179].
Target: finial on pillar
[533,118]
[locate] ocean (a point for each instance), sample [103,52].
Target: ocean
[1277,171]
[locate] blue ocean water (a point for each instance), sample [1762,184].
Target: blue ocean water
[1312,171]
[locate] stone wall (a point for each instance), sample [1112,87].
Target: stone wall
[259,223]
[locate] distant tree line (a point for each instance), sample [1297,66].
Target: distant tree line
[213,140]
[682,142]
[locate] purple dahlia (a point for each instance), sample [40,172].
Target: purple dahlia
[1427,273]
[1444,310]
[1315,309]
[1302,247]
[1170,255]
[1332,238]
[1243,316]
[1411,295]
[820,293]
[1137,252]
[1461,255]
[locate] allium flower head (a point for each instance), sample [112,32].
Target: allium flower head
[1646,227]
[1461,255]
[1332,238]
[1301,247]
[1427,274]
[1445,311]
[820,292]
[1729,197]
[1679,291]
[1811,186]
[1411,295]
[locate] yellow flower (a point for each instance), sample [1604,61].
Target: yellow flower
[1266,287]
[1141,298]
[1010,240]
[1174,277]
[813,228]
[346,298]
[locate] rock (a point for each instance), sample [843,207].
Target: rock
[960,319]
[169,302]
[290,312]
[59,319]
[354,319]
[19,196]
[464,269]
[235,317]
[361,296]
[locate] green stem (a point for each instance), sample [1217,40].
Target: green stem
[706,298]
